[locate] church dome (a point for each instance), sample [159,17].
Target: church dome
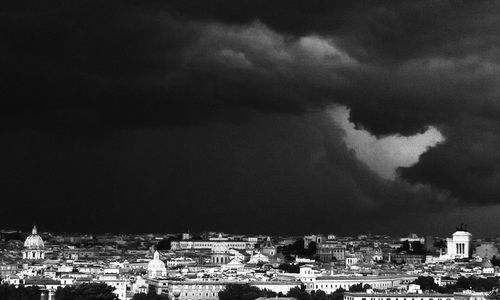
[34,241]
[487,263]
[156,268]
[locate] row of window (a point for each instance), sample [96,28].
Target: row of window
[200,294]
[346,286]
[352,298]
[207,287]
[212,244]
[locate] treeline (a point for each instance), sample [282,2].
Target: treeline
[414,247]
[87,291]
[10,292]
[150,296]
[298,249]
[290,268]
[248,292]
[463,283]
[91,291]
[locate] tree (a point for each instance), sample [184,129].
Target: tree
[240,292]
[426,283]
[164,244]
[290,268]
[269,294]
[440,244]
[150,296]
[414,247]
[318,295]
[86,291]
[477,284]
[337,295]
[298,293]
[495,261]
[405,247]
[21,292]
[417,248]
[312,248]
[359,288]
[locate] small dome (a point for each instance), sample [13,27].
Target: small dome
[34,241]
[487,263]
[155,265]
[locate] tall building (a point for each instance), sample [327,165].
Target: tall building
[458,246]
[34,247]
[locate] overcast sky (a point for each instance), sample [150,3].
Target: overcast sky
[286,117]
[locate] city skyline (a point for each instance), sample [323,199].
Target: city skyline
[250,116]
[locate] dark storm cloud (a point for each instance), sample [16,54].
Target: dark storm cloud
[275,174]
[93,67]
[468,164]
[147,64]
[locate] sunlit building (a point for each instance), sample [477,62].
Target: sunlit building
[34,247]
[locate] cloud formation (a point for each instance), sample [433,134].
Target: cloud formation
[96,69]
[384,155]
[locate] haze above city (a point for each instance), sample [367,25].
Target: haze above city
[250,116]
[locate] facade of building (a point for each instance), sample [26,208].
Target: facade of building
[34,247]
[209,290]
[267,248]
[405,258]
[220,258]
[330,284]
[8,269]
[331,251]
[396,296]
[316,238]
[156,267]
[213,245]
[470,295]
[458,246]
[184,290]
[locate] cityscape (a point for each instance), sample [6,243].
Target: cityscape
[250,150]
[215,265]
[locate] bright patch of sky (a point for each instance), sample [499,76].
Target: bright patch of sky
[384,155]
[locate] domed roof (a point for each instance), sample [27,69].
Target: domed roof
[156,264]
[34,241]
[487,263]
[267,243]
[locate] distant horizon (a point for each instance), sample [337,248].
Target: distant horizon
[246,234]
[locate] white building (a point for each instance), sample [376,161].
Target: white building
[257,258]
[459,244]
[330,283]
[156,267]
[219,244]
[34,246]
[180,261]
